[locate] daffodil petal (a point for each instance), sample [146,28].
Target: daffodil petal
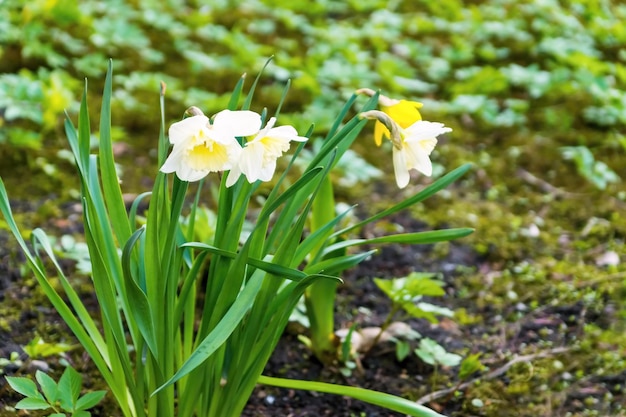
[187,128]
[404,112]
[233,175]
[380,132]
[251,161]
[186,173]
[417,158]
[286,132]
[236,123]
[267,170]
[400,168]
[173,160]
[421,130]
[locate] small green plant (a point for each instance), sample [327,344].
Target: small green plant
[596,172]
[38,348]
[13,360]
[434,354]
[63,397]
[407,293]
[469,366]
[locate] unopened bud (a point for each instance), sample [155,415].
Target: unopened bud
[382,100]
[194,111]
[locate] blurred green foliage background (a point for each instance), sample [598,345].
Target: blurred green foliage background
[540,65]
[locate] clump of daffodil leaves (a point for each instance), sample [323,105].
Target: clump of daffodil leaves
[185,327]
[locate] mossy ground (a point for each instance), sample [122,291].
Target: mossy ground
[535,281]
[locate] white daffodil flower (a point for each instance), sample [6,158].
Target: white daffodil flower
[411,146]
[201,147]
[416,144]
[258,157]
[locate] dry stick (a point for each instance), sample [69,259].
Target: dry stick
[491,375]
[543,185]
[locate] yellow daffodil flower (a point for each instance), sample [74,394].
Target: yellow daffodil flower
[201,147]
[403,112]
[258,157]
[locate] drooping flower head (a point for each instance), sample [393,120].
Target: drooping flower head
[258,156]
[201,147]
[411,146]
[403,112]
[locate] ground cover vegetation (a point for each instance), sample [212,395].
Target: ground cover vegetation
[535,92]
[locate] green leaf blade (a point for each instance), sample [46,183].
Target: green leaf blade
[48,386]
[89,400]
[24,386]
[32,404]
[69,388]
[388,401]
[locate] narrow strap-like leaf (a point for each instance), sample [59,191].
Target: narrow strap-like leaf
[246,104]
[429,191]
[272,268]
[236,94]
[216,338]
[388,401]
[138,306]
[109,178]
[417,238]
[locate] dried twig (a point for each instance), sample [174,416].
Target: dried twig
[543,185]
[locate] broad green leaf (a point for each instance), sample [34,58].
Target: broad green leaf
[433,353]
[402,350]
[409,288]
[69,388]
[48,386]
[32,404]
[89,400]
[418,313]
[24,386]
[429,308]
[388,401]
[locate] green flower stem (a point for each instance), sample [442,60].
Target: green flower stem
[320,297]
